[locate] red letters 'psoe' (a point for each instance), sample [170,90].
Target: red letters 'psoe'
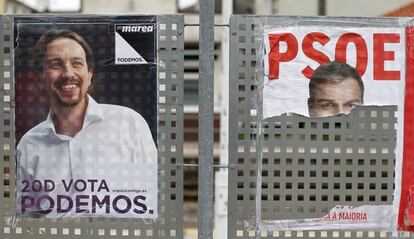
[380,55]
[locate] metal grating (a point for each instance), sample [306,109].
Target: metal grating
[294,167]
[170,140]
[309,166]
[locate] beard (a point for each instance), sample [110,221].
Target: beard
[67,93]
[63,101]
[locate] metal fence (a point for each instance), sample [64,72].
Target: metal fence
[270,176]
[294,167]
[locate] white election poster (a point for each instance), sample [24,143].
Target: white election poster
[371,62]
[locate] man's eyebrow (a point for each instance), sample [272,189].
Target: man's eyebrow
[76,58]
[325,100]
[59,59]
[354,101]
[53,59]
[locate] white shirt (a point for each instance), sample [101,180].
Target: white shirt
[113,150]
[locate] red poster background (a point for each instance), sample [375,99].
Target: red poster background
[406,211]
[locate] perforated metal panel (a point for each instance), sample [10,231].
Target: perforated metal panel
[311,166]
[6,117]
[170,140]
[300,167]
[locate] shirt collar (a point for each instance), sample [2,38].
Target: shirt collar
[93,114]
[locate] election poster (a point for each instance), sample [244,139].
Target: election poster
[86,116]
[321,71]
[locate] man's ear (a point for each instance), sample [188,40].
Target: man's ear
[90,74]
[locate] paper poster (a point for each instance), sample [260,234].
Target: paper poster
[86,116]
[294,53]
[325,71]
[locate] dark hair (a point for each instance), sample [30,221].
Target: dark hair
[334,71]
[53,34]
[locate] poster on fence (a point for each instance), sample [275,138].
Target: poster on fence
[86,116]
[327,71]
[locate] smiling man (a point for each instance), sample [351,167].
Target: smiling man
[77,161]
[66,75]
[334,88]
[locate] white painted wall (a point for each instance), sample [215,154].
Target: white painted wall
[366,8]
[130,6]
[264,7]
[297,7]
[363,8]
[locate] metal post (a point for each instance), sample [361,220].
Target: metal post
[205,126]
[221,185]
[321,7]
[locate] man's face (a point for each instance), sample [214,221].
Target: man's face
[65,72]
[331,98]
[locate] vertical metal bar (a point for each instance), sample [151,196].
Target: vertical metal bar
[221,177]
[321,7]
[205,126]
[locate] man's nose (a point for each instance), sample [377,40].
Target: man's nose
[340,109]
[68,72]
